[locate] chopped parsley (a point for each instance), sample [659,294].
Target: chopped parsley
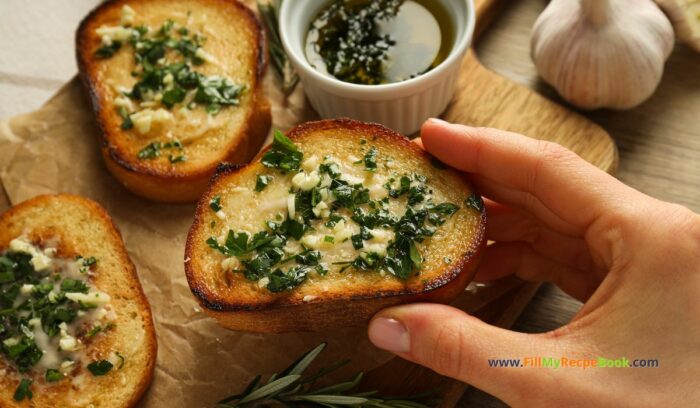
[475,202]
[330,168]
[100,368]
[126,119]
[371,159]
[98,329]
[23,390]
[88,261]
[238,244]
[107,51]
[121,358]
[283,154]
[177,159]
[261,182]
[165,74]
[34,300]
[333,200]
[215,203]
[53,375]
[154,149]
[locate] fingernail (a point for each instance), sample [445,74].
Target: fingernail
[389,334]
[438,120]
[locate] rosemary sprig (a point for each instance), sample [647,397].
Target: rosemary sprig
[293,389]
[270,15]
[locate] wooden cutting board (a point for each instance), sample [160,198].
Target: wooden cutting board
[484,98]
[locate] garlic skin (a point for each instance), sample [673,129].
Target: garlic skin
[602,53]
[685,17]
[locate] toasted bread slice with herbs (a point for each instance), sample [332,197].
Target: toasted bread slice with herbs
[78,331]
[176,88]
[329,225]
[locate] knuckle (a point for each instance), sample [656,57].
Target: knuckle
[530,201]
[448,354]
[683,220]
[551,151]
[549,155]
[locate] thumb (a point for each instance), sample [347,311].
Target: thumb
[457,345]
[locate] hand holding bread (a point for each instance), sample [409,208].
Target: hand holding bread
[555,218]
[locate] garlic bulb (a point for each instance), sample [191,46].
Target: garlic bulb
[602,53]
[685,16]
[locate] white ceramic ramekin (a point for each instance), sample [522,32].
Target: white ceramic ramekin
[402,106]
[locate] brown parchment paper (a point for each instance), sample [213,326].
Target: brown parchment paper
[55,149]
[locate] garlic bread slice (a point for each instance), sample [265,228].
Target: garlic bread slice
[329,224]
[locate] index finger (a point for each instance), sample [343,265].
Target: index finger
[573,189]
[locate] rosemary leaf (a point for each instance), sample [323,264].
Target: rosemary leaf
[305,361]
[332,399]
[324,371]
[291,389]
[270,389]
[280,61]
[342,387]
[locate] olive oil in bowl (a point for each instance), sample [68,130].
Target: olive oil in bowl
[374,42]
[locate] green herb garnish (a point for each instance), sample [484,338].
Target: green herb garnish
[107,51]
[292,387]
[53,375]
[126,118]
[262,255]
[475,201]
[74,285]
[164,70]
[121,358]
[23,390]
[283,154]
[215,203]
[44,308]
[173,97]
[100,368]
[87,262]
[280,61]
[93,331]
[177,159]
[261,182]
[153,150]
[241,243]
[371,159]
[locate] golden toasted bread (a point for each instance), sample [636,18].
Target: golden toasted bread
[79,332]
[316,232]
[176,88]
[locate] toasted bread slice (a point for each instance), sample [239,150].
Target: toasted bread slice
[61,228]
[164,138]
[332,292]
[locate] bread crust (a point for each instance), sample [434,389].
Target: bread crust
[142,177]
[19,220]
[284,314]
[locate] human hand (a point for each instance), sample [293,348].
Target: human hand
[633,260]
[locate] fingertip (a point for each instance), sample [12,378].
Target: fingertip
[389,334]
[419,142]
[447,141]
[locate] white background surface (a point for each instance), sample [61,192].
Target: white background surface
[36,50]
